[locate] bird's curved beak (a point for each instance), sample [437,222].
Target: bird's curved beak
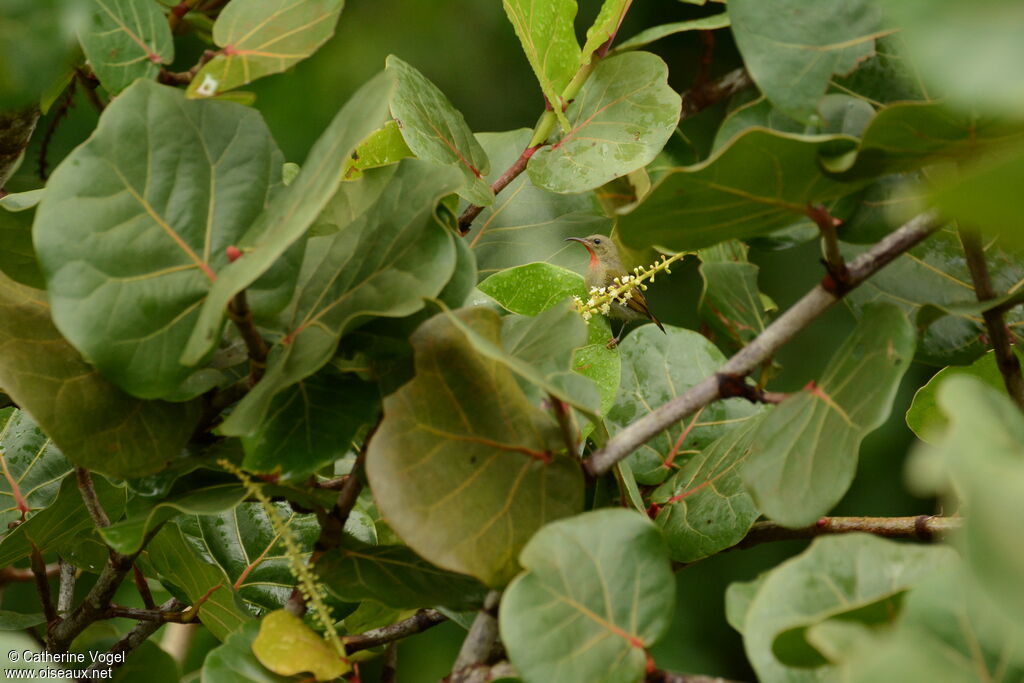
[581,241]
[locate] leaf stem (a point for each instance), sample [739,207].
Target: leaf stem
[764,346]
[42,579]
[998,334]
[241,316]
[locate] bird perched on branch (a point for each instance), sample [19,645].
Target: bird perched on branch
[605,266]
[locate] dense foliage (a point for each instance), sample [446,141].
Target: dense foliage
[320,408]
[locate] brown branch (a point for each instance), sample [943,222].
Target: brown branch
[659,676]
[42,579]
[138,635]
[15,132]
[241,316]
[185,77]
[92,502]
[510,174]
[763,347]
[66,593]
[389,671]
[95,604]
[480,642]
[157,614]
[332,524]
[1006,359]
[142,586]
[19,575]
[732,386]
[90,83]
[920,528]
[834,262]
[417,623]
[60,111]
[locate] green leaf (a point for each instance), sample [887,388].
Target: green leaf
[947,630]
[838,576]
[286,646]
[234,662]
[31,460]
[128,535]
[648,36]
[263,38]
[526,223]
[382,265]
[61,522]
[17,256]
[310,425]
[533,288]
[738,597]
[242,542]
[805,451]
[887,77]
[704,506]
[731,303]
[94,423]
[545,29]
[126,40]
[934,274]
[467,488]
[926,419]
[656,368]
[37,41]
[840,115]
[395,576]
[621,119]
[293,210]
[598,589]
[152,221]
[792,48]
[981,455]
[16,621]
[606,25]
[195,578]
[759,183]
[436,131]
[382,148]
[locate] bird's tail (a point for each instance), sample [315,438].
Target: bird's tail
[656,321]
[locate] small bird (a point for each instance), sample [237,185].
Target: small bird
[604,267]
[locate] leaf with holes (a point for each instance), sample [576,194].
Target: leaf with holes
[32,466]
[704,506]
[656,368]
[467,488]
[759,183]
[545,29]
[855,577]
[383,265]
[436,131]
[293,210]
[621,119]
[242,541]
[126,40]
[805,451]
[526,223]
[792,48]
[597,590]
[95,424]
[395,576]
[126,278]
[191,578]
[262,38]
[731,303]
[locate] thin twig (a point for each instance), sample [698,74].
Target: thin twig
[241,316]
[763,347]
[389,672]
[158,614]
[332,523]
[480,641]
[90,83]
[921,528]
[1006,359]
[417,623]
[659,676]
[92,502]
[142,586]
[833,258]
[59,112]
[15,132]
[96,602]
[138,635]
[66,594]
[42,578]
[510,174]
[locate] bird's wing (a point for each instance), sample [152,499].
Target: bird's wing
[638,303]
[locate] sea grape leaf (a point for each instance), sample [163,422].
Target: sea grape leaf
[792,48]
[293,210]
[532,288]
[37,42]
[31,460]
[805,451]
[395,576]
[17,256]
[837,576]
[545,29]
[126,40]
[382,148]
[286,646]
[95,424]
[840,115]
[234,662]
[704,507]
[152,221]
[436,131]
[382,265]
[467,488]
[526,223]
[620,120]
[731,303]
[310,425]
[262,38]
[658,367]
[190,578]
[596,591]
[606,25]
[648,36]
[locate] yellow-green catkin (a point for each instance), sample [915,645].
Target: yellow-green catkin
[621,291]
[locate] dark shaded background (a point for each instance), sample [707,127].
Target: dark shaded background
[468,48]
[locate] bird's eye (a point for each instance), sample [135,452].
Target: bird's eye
[597,241]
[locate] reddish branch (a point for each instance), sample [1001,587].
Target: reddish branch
[834,262]
[998,334]
[241,315]
[760,349]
